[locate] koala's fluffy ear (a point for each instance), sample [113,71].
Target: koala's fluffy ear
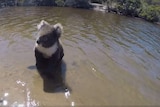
[59,29]
[41,24]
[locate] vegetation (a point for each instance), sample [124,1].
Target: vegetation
[42,2]
[146,9]
[60,3]
[78,3]
[151,13]
[128,7]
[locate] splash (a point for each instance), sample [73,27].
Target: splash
[68,97]
[29,101]
[20,82]
[3,101]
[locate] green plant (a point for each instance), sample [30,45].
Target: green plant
[151,13]
[60,2]
[129,7]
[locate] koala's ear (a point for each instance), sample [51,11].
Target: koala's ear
[41,24]
[59,29]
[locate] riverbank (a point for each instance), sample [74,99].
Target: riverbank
[147,10]
[136,8]
[103,8]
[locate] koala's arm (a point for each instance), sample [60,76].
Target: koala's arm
[61,52]
[39,59]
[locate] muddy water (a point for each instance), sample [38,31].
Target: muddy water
[109,59]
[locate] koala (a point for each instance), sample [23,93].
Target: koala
[48,47]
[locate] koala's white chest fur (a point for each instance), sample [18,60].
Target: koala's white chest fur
[47,52]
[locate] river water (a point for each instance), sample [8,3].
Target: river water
[109,59]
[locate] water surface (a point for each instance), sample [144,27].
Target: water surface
[109,59]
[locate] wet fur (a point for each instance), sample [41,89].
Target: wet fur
[48,52]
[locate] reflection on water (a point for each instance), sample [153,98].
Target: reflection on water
[5,99]
[110,59]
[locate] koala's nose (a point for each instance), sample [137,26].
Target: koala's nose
[38,42]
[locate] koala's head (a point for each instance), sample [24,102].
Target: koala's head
[48,34]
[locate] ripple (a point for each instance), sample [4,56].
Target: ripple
[107,51]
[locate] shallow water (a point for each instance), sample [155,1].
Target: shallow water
[109,59]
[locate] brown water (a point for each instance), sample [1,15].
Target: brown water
[109,59]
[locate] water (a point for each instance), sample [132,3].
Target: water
[109,59]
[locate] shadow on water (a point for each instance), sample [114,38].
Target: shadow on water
[55,81]
[32,67]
